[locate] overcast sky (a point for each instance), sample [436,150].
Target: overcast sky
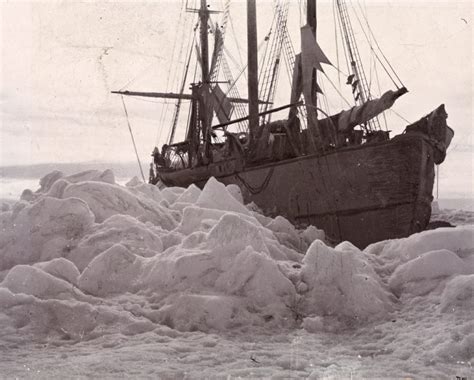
[59,61]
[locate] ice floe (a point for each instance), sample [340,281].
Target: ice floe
[84,257]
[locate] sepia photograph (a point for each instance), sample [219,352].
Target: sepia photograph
[236,189]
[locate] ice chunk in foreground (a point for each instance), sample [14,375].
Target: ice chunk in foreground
[47,181]
[44,230]
[150,191]
[342,283]
[137,237]
[60,268]
[106,200]
[116,270]
[201,260]
[423,274]
[190,195]
[36,282]
[398,251]
[50,179]
[458,294]
[215,195]
[234,190]
[106,176]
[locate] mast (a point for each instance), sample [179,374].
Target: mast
[204,91]
[310,77]
[311,15]
[204,17]
[252,68]
[312,22]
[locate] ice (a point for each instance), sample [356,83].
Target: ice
[57,188]
[313,324]
[342,283]
[399,251]
[150,191]
[205,312]
[289,236]
[458,294]
[423,273]
[106,200]
[60,268]
[115,270]
[188,198]
[234,190]
[134,182]
[202,219]
[26,279]
[43,230]
[190,195]
[171,194]
[141,239]
[216,196]
[195,279]
[49,179]
[106,176]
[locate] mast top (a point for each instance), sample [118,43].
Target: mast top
[311,15]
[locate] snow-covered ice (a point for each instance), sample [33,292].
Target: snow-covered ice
[102,280]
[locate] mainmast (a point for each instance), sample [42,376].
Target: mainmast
[310,75]
[311,15]
[311,19]
[204,18]
[205,87]
[252,52]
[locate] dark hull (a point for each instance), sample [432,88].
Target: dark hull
[363,194]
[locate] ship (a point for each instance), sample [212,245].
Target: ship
[341,172]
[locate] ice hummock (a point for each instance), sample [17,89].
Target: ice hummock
[85,258]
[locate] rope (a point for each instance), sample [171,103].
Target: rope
[344,47]
[375,54]
[181,91]
[172,72]
[337,45]
[257,189]
[378,47]
[133,139]
[378,86]
[335,87]
[400,116]
[178,54]
[236,40]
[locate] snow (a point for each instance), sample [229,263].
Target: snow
[101,280]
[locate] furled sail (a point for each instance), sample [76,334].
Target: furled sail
[363,113]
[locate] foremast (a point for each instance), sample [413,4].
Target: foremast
[252,57]
[204,90]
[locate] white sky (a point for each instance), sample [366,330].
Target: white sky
[59,61]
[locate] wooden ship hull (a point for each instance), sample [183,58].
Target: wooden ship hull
[363,194]
[339,172]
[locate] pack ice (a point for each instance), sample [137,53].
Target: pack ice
[84,257]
